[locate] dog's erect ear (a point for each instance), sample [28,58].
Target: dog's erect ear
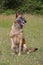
[17,14]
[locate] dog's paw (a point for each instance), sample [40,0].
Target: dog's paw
[28,52]
[19,54]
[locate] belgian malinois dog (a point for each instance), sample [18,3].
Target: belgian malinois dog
[18,42]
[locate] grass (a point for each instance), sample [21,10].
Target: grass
[33,32]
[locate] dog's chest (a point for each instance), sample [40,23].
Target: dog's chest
[18,38]
[18,26]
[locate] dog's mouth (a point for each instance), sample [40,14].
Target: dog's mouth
[22,22]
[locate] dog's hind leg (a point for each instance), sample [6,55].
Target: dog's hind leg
[25,47]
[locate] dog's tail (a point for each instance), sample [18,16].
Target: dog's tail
[33,50]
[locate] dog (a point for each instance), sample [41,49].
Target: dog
[17,36]
[18,42]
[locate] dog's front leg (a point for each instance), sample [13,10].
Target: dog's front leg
[12,45]
[20,46]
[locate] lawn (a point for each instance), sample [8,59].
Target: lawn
[33,32]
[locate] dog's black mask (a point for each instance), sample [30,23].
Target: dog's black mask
[21,21]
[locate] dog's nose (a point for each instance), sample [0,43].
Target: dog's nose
[25,21]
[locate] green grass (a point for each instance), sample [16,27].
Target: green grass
[33,32]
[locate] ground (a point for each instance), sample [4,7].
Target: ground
[33,32]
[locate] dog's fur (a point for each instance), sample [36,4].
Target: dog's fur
[17,36]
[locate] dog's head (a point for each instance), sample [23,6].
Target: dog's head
[21,20]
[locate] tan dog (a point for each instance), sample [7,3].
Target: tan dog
[16,34]
[17,37]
